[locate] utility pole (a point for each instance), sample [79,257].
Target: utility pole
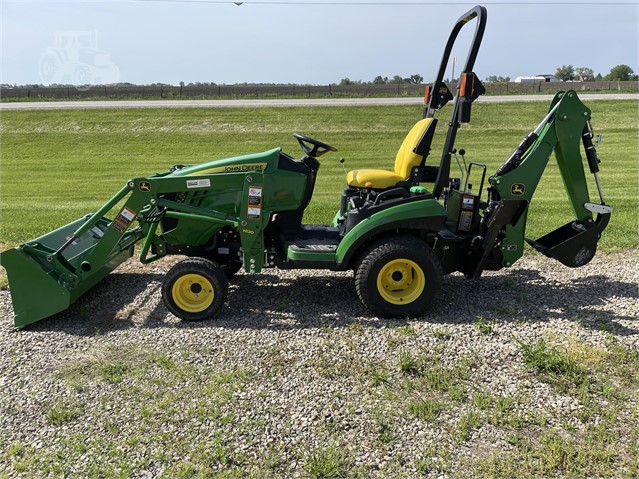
[452,79]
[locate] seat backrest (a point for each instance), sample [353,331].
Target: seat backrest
[406,158]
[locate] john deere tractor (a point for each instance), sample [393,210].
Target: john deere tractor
[397,236]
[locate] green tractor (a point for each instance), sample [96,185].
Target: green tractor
[397,236]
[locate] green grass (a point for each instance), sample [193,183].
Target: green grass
[467,423]
[326,463]
[56,166]
[483,325]
[407,363]
[433,459]
[425,409]
[553,365]
[587,443]
[61,413]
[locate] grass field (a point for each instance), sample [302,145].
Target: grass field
[530,373]
[59,165]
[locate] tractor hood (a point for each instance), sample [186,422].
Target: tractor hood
[263,162]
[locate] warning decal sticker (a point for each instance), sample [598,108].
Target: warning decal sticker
[122,222]
[255,202]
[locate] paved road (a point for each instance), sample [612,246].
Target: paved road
[74,105]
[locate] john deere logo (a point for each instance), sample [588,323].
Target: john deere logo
[517,189]
[145,186]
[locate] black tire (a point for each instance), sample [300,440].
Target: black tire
[398,277]
[194,289]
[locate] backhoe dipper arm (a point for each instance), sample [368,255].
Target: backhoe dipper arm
[564,129]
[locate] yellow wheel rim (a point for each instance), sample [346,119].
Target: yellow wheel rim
[401,281]
[193,293]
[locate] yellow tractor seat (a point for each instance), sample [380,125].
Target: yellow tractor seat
[372,178]
[405,160]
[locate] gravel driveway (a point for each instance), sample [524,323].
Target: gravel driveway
[293,379]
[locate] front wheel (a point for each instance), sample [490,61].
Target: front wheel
[398,277]
[194,289]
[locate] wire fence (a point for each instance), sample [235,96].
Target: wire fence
[293,91]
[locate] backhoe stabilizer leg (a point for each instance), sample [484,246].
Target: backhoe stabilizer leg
[504,213]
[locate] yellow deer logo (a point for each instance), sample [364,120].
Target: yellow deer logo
[518,189]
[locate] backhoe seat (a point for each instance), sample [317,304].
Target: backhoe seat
[418,139]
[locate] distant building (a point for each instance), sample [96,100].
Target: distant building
[544,78]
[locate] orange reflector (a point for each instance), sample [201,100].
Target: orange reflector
[426,94]
[368,184]
[466,89]
[462,85]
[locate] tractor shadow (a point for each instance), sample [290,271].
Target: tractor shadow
[326,299]
[526,296]
[114,304]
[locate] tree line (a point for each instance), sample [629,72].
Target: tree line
[617,73]
[620,72]
[564,73]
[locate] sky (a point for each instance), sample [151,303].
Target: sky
[304,41]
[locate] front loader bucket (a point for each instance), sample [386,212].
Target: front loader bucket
[573,244]
[43,283]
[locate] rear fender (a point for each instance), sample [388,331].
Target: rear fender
[426,215]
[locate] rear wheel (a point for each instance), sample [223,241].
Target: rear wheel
[194,289]
[398,277]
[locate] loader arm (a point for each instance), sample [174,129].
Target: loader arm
[63,265]
[564,130]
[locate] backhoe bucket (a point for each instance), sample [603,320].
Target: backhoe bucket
[43,283]
[574,244]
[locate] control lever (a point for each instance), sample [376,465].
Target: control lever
[342,160]
[463,170]
[454,152]
[462,152]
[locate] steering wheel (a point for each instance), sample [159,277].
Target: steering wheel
[318,149]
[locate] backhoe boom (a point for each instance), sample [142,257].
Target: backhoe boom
[563,130]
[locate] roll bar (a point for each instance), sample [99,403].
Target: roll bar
[439,95]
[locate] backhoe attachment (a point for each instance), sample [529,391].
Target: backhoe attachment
[565,129]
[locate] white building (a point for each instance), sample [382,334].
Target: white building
[537,78]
